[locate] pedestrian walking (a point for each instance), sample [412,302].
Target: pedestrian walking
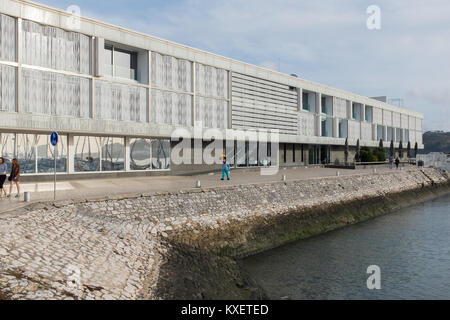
[3,169]
[397,161]
[14,177]
[225,169]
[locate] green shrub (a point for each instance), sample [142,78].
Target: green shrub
[366,155]
[379,154]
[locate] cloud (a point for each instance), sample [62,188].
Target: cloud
[325,41]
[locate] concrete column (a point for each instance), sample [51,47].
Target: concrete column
[336,127]
[70,154]
[318,125]
[193,93]
[384,133]
[318,102]
[363,112]
[230,101]
[374,131]
[127,153]
[19,63]
[149,94]
[95,68]
[299,99]
[349,109]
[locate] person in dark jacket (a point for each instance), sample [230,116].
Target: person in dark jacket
[2,176]
[14,177]
[397,162]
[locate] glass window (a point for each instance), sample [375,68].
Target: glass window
[160,154]
[253,153]
[125,64]
[264,153]
[389,134]
[7,147]
[379,132]
[309,101]
[369,114]
[241,154]
[140,154]
[398,135]
[87,153]
[327,126]
[356,111]
[406,135]
[343,128]
[45,160]
[26,152]
[327,105]
[229,147]
[113,154]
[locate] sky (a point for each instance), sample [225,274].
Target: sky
[325,41]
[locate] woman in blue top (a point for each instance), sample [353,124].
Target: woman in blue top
[2,175]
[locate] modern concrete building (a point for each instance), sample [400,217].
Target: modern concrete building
[116,96]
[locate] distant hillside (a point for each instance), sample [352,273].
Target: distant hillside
[436,141]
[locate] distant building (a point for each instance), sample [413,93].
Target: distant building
[115,96]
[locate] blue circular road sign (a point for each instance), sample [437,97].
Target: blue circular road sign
[54,138]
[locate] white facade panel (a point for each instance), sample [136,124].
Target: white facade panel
[366,131]
[55,94]
[212,113]
[419,137]
[396,120]
[55,48]
[377,116]
[306,124]
[171,108]
[171,73]
[7,38]
[412,122]
[340,108]
[120,102]
[387,118]
[419,124]
[7,88]
[404,121]
[354,129]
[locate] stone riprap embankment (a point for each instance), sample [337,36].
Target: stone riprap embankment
[185,244]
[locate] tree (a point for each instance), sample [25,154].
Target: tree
[346,150]
[416,150]
[367,155]
[358,152]
[408,150]
[381,143]
[400,149]
[380,154]
[391,149]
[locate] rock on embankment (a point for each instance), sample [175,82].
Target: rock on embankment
[185,244]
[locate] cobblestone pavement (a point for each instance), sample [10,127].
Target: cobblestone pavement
[112,249]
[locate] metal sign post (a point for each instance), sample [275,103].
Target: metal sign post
[54,142]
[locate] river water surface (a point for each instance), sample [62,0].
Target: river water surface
[411,246]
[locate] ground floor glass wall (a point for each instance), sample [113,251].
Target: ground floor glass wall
[90,154]
[33,152]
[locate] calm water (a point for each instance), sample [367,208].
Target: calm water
[411,246]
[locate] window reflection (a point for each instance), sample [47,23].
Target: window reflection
[45,160]
[87,153]
[113,154]
[7,146]
[26,152]
[160,154]
[140,154]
